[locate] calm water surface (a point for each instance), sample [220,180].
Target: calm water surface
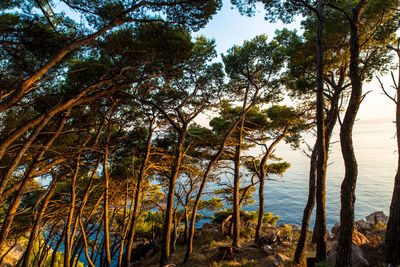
[376,154]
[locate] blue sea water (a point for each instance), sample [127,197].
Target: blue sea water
[375,147]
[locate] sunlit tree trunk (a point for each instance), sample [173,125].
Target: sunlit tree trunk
[347,197]
[165,248]
[138,195]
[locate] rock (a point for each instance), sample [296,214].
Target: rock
[271,261]
[363,226]
[282,225]
[268,249]
[335,230]
[357,256]
[377,216]
[358,238]
[295,227]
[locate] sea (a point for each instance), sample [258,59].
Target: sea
[376,153]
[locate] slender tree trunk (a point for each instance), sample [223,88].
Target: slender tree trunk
[91,264]
[321,154]
[173,239]
[106,221]
[330,125]
[186,232]
[260,200]
[165,248]
[261,173]
[68,245]
[392,240]
[236,188]
[55,250]
[347,197]
[124,227]
[301,244]
[138,195]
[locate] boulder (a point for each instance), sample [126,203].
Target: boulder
[377,216]
[363,226]
[271,261]
[268,249]
[335,230]
[357,256]
[358,238]
[295,227]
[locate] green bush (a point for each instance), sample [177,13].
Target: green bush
[248,233]
[270,218]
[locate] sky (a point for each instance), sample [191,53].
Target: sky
[229,28]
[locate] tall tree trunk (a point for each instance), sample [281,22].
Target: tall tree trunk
[392,239]
[106,221]
[55,250]
[330,123]
[68,238]
[165,248]
[236,187]
[347,197]
[301,244]
[124,227]
[262,173]
[321,154]
[174,233]
[138,195]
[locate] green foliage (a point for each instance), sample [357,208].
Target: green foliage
[269,218]
[248,233]
[246,216]
[379,226]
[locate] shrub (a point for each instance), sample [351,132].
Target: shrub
[379,226]
[270,218]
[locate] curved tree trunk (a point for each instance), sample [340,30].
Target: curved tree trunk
[301,243]
[392,239]
[165,248]
[138,195]
[347,197]
[236,187]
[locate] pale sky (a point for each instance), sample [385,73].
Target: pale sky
[229,28]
